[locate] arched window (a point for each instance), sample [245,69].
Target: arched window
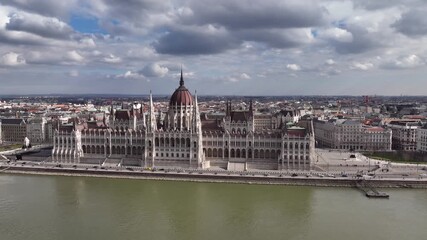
[232,153]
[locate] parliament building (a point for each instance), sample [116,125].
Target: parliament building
[183,137]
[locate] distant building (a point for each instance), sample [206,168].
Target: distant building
[422,139]
[404,134]
[13,130]
[36,130]
[351,135]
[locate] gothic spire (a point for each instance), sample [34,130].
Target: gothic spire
[152,118]
[181,81]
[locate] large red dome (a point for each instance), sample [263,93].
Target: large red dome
[181,96]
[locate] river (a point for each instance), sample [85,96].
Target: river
[55,208]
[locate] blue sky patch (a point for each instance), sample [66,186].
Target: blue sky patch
[86,24]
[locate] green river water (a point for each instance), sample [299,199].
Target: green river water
[56,208]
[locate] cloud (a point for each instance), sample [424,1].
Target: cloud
[128,75]
[196,40]
[245,76]
[11,59]
[43,26]
[154,70]
[237,77]
[410,61]
[293,67]
[111,59]
[362,66]
[412,23]
[73,57]
[330,62]
[337,34]
[267,14]
[277,38]
[51,8]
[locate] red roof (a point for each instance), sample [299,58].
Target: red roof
[181,96]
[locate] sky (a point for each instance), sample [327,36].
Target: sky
[225,47]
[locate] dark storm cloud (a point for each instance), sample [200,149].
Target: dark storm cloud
[46,27]
[247,14]
[195,41]
[412,23]
[363,41]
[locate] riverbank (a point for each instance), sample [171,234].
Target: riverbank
[216,177]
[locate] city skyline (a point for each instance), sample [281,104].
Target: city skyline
[232,48]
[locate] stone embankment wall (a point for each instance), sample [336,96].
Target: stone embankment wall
[196,177]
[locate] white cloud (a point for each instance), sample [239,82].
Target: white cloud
[330,62]
[336,34]
[293,67]
[245,76]
[11,59]
[87,42]
[128,75]
[362,66]
[74,56]
[112,59]
[154,70]
[410,61]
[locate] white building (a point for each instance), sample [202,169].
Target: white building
[36,130]
[351,135]
[422,139]
[404,134]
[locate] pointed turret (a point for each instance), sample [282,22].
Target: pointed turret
[251,108]
[197,122]
[181,80]
[152,119]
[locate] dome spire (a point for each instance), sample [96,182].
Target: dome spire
[181,81]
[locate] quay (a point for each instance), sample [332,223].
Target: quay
[223,176]
[370,190]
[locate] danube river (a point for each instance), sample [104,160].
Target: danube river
[55,207]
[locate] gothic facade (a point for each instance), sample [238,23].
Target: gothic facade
[182,137]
